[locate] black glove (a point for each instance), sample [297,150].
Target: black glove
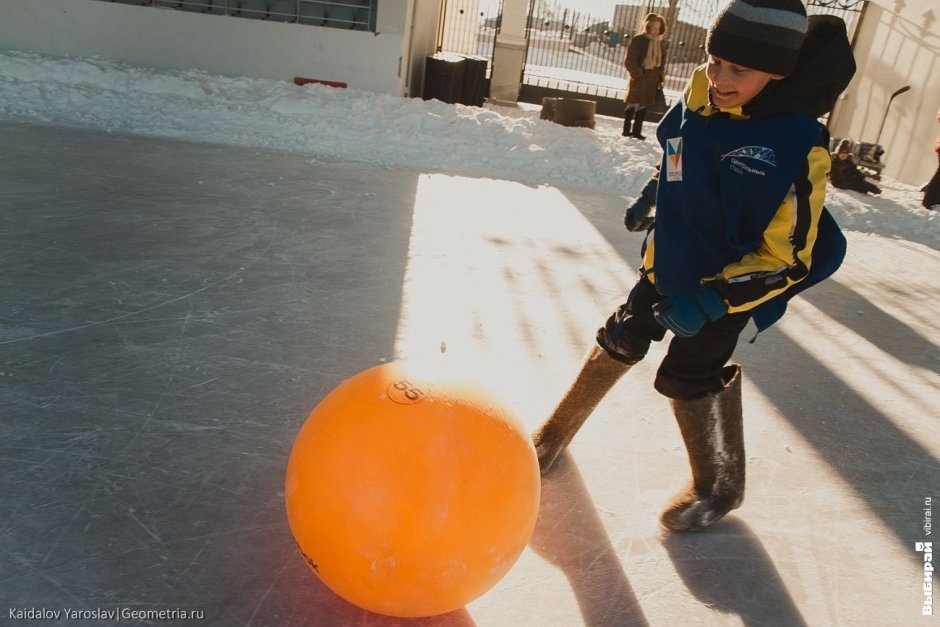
[637,216]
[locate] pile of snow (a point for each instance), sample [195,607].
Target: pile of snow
[494,142]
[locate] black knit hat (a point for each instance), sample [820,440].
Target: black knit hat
[763,35]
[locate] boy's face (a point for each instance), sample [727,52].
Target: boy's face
[730,85]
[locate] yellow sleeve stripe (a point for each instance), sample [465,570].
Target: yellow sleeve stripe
[785,253]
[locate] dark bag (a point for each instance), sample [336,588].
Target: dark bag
[660,100]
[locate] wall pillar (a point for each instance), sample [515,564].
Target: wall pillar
[509,53]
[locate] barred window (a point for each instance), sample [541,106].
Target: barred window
[347,14]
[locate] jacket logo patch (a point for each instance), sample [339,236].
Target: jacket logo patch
[674,159]
[767,155]
[757,154]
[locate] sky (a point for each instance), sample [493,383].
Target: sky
[491,142]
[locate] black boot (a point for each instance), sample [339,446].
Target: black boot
[598,374]
[628,112]
[713,432]
[638,123]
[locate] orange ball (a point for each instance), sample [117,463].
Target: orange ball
[409,493]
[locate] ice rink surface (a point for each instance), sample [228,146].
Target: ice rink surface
[171,311]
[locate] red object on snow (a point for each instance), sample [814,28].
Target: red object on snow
[303,80]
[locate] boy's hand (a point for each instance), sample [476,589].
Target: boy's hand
[637,216]
[685,314]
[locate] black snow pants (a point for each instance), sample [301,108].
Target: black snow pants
[692,366]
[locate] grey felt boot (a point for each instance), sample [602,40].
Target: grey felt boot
[598,374]
[713,432]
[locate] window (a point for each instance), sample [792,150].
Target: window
[345,14]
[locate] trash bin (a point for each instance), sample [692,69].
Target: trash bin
[443,77]
[455,78]
[474,81]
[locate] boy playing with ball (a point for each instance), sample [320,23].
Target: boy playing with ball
[739,229]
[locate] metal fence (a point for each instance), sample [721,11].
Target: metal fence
[576,51]
[570,49]
[469,27]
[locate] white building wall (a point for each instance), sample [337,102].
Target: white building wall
[231,46]
[898,44]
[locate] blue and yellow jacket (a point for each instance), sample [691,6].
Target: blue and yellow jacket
[740,198]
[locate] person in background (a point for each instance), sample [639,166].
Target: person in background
[932,190]
[846,175]
[646,64]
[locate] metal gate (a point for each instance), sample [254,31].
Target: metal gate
[575,52]
[469,28]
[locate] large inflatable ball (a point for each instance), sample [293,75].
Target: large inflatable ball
[410,491]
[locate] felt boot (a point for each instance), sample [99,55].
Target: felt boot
[598,374]
[638,123]
[713,431]
[628,112]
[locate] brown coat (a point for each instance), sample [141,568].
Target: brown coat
[643,83]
